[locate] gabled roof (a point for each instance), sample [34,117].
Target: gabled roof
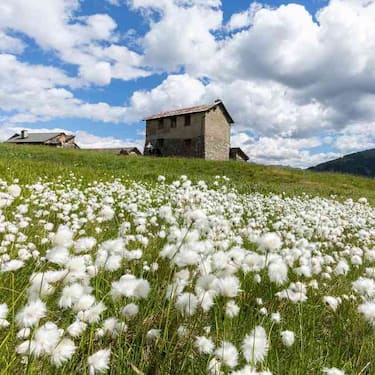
[190,110]
[33,137]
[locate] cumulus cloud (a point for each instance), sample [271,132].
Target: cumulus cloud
[30,93]
[182,35]
[282,151]
[75,39]
[176,91]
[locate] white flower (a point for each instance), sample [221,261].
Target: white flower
[231,309]
[204,345]
[227,353]
[31,313]
[276,317]
[107,213]
[63,352]
[287,337]
[14,190]
[130,286]
[63,237]
[3,311]
[71,294]
[332,302]
[23,333]
[278,272]
[255,345]
[153,334]
[333,371]
[99,361]
[187,303]
[228,286]
[130,310]
[270,242]
[12,265]
[76,328]
[84,244]
[46,338]
[368,310]
[214,367]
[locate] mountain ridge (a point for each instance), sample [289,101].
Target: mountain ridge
[359,163]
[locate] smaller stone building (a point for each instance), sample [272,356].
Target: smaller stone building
[236,153]
[48,139]
[198,132]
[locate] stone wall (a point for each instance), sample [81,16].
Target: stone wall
[190,148]
[195,129]
[183,141]
[217,135]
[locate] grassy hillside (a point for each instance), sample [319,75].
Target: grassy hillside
[31,162]
[107,267]
[359,163]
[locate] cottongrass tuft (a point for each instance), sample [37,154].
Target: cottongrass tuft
[227,353]
[332,371]
[99,361]
[288,338]
[31,313]
[255,346]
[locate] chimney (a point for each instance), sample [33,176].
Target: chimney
[24,134]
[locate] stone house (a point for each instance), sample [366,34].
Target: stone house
[198,132]
[48,139]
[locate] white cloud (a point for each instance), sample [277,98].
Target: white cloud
[175,92]
[354,138]
[74,39]
[98,73]
[87,140]
[244,19]
[30,93]
[181,35]
[10,44]
[282,151]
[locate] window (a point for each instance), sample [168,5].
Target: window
[187,120]
[187,143]
[173,122]
[161,123]
[160,142]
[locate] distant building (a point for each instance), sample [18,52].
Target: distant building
[235,153]
[48,139]
[119,150]
[199,132]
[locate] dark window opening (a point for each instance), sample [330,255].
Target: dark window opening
[173,122]
[160,142]
[187,120]
[161,123]
[187,143]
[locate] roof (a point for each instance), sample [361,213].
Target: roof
[33,138]
[237,150]
[190,110]
[128,150]
[117,150]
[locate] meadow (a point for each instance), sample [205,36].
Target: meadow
[132,265]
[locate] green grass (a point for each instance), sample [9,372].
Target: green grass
[323,338]
[30,162]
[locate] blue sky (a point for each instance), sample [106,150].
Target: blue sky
[296,76]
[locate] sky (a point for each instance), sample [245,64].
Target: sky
[297,77]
